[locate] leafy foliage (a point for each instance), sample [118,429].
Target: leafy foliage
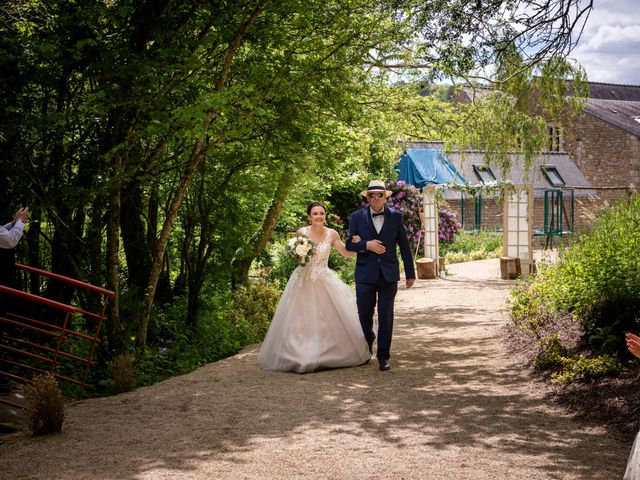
[598,279]
[472,246]
[552,354]
[585,368]
[596,282]
[251,310]
[122,373]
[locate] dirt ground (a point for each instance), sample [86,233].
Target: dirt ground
[454,406]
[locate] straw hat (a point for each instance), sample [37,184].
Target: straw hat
[376,186]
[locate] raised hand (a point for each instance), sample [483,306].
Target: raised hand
[22,214]
[633,344]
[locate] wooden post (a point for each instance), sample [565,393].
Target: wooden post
[510,268]
[426,268]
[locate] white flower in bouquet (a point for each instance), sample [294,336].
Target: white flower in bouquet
[300,248]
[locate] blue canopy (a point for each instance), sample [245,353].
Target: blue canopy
[421,166]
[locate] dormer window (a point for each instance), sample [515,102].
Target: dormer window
[554,178]
[484,173]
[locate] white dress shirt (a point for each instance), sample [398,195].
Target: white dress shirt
[378,220]
[11,233]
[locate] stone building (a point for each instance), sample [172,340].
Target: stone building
[550,173]
[604,141]
[593,161]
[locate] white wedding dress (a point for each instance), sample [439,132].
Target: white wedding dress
[316,324]
[633,462]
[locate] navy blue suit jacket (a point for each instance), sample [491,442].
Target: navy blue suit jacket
[370,265]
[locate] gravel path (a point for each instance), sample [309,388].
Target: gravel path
[454,406]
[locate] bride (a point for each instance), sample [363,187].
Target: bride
[316,323]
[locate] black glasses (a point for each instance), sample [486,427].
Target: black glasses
[375,195]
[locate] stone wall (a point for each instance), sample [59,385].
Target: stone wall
[606,155]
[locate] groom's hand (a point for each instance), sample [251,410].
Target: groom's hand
[376,246]
[409,282]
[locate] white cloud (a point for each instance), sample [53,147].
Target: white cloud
[608,35]
[609,49]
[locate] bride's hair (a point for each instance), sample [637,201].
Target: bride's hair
[316,204]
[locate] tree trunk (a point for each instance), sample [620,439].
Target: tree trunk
[244,259]
[134,237]
[197,154]
[113,264]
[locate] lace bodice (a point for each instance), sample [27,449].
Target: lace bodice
[322,250]
[318,265]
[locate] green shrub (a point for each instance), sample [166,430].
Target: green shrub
[344,267]
[472,246]
[552,355]
[45,405]
[597,281]
[528,307]
[585,368]
[251,310]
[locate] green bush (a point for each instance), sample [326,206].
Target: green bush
[122,373]
[528,307]
[585,368]
[472,246]
[552,355]
[224,326]
[344,267]
[251,310]
[597,280]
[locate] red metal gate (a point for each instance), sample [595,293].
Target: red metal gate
[31,345]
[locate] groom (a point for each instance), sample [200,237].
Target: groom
[377,270]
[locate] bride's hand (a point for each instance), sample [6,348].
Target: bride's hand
[356,238]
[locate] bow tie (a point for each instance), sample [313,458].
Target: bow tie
[374,214]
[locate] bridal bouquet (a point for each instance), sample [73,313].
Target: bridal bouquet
[300,248]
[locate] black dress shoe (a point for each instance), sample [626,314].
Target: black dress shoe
[384,364]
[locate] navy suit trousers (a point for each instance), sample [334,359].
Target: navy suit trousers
[383,293]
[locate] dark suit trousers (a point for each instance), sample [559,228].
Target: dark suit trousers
[384,294]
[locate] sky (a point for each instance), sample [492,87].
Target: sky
[609,49]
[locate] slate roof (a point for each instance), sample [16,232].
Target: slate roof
[611,91]
[617,105]
[623,114]
[568,170]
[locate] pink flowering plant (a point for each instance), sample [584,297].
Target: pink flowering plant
[407,199]
[448,225]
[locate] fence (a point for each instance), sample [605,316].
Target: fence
[37,332]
